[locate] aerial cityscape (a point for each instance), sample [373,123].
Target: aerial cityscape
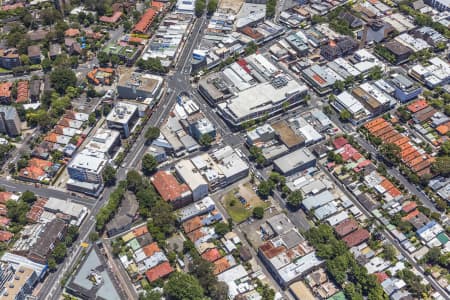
[225,149]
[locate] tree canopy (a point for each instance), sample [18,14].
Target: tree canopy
[182,286]
[149,164]
[62,78]
[109,175]
[294,200]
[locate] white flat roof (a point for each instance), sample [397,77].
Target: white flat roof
[261,97]
[122,112]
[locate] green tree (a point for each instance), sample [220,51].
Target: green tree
[270,8]
[205,140]
[441,166]
[92,119]
[150,295]
[345,115]
[203,270]
[212,6]
[59,252]
[389,252]
[199,7]
[61,78]
[251,48]
[376,73]
[25,60]
[258,212]
[391,152]
[295,199]
[265,189]
[152,134]
[52,265]
[151,64]
[28,197]
[109,175]
[182,286]
[103,58]
[149,164]
[134,181]
[221,228]
[339,85]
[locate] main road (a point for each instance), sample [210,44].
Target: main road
[177,82]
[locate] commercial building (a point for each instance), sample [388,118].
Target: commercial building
[441,5]
[75,211]
[17,282]
[177,194]
[204,206]
[260,135]
[223,167]
[122,118]
[86,167]
[346,102]
[139,85]
[185,6]
[9,121]
[373,99]
[263,100]
[405,89]
[436,73]
[294,162]
[189,174]
[105,141]
[341,47]
[321,79]
[400,51]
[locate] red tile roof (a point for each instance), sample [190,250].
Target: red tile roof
[192,224]
[146,20]
[5,196]
[5,89]
[159,6]
[221,265]
[340,142]
[411,215]
[346,226]
[3,210]
[151,249]
[357,237]
[113,19]
[5,236]
[22,92]
[211,255]
[160,271]
[168,187]
[12,6]
[381,277]
[4,221]
[409,206]
[140,230]
[417,105]
[71,32]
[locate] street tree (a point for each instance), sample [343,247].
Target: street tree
[134,181]
[152,134]
[149,164]
[109,175]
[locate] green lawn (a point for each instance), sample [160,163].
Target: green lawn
[235,209]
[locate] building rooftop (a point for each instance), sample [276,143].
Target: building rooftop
[294,159]
[149,83]
[189,173]
[168,186]
[122,113]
